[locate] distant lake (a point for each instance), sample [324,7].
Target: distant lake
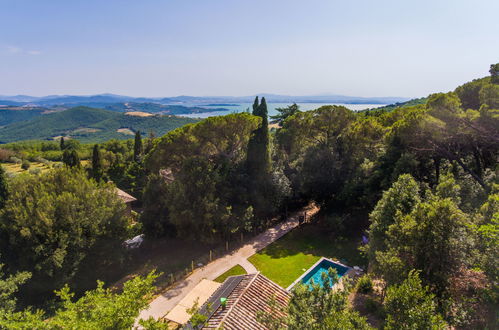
[241,107]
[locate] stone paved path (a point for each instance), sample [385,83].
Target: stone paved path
[160,306]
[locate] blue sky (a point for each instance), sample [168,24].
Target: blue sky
[214,47]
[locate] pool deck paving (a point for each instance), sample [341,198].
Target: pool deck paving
[166,301]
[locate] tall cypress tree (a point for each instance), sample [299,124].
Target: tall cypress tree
[70,158]
[62,143]
[4,192]
[96,163]
[255,105]
[137,147]
[258,158]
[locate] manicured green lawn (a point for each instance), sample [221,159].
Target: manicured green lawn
[236,270]
[286,259]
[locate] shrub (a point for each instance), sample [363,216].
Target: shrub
[15,160]
[364,284]
[25,164]
[35,170]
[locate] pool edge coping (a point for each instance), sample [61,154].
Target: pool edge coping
[313,266]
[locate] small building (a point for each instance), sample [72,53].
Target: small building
[127,199]
[236,303]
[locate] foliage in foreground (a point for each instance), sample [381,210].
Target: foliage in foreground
[317,307]
[97,309]
[410,306]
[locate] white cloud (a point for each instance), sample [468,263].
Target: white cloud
[19,50]
[13,49]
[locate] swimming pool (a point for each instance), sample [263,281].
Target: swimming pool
[315,272]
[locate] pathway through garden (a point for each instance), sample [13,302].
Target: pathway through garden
[161,305]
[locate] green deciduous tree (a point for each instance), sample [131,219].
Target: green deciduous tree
[96,309]
[202,165]
[60,226]
[9,285]
[399,200]
[323,307]
[410,306]
[487,229]
[432,238]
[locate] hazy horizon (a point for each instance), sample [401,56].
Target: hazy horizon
[225,48]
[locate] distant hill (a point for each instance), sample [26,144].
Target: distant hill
[14,113]
[89,125]
[391,107]
[169,109]
[9,115]
[102,100]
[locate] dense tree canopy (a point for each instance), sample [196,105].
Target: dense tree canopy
[55,224]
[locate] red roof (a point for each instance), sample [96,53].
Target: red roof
[127,198]
[250,296]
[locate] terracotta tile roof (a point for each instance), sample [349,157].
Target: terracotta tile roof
[127,198]
[250,296]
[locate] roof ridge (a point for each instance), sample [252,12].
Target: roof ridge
[239,298]
[274,283]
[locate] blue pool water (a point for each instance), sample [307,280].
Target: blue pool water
[323,267]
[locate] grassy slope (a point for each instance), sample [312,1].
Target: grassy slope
[286,259]
[105,122]
[236,270]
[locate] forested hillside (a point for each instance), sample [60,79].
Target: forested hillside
[88,125]
[420,183]
[8,116]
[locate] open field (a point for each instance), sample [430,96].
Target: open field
[138,114]
[14,168]
[126,131]
[286,259]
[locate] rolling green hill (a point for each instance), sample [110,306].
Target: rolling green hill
[89,125]
[8,116]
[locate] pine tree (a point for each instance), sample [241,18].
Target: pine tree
[62,143]
[137,148]
[4,193]
[96,163]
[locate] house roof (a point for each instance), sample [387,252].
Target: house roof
[246,296]
[127,198]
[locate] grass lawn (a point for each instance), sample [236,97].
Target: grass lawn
[236,270]
[286,259]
